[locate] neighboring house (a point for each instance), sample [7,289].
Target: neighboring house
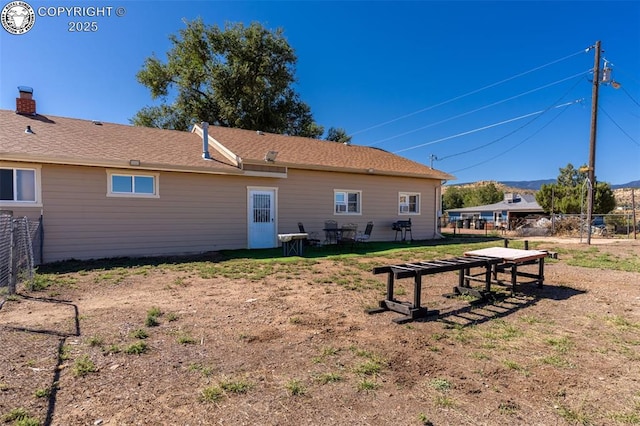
[107,190]
[503,215]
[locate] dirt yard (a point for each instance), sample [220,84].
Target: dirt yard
[289,343]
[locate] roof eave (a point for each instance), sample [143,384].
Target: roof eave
[354,170]
[118,164]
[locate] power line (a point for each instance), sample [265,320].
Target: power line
[515,146]
[485,127]
[618,126]
[629,95]
[519,128]
[480,108]
[473,92]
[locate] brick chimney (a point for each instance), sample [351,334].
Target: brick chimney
[25,104]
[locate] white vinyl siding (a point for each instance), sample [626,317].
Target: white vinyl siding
[200,213]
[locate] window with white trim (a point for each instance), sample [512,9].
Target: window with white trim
[19,186]
[132,185]
[347,201]
[409,203]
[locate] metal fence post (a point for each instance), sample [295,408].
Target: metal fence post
[12,257]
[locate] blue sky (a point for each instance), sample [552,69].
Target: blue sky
[483,90]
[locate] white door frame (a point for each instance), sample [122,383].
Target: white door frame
[267,241]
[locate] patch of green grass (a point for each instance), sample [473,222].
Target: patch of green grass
[211,394]
[42,393]
[205,371]
[595,258]
[439,336]
[480,356]
[424,419]
[462,336]
[368,385]
[326,378]
[513,365]
[64,352]
[572,416]
[112,349]
[236,386]
[627,417]
[114,276]
[20,417]
[621,322]
[172,316]
[154,312]
[443,401]
[83,366]
[326,352]
[295,387]
[42,282]
[95,341]
[186,339]
[136,348]
[368,368]
[139,333]
[151,321]
[502,330]
[530,319]
[179,281]
[562,345]
[556,361]
[330,351]
[441,385]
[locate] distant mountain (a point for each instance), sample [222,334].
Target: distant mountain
[528,184]
[534,185]
[633,184]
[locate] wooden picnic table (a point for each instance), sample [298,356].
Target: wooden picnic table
[493,260]
[511,259]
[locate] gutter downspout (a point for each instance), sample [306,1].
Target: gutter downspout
[205,141]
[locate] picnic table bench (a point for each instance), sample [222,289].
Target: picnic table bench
[416,270]
[492,260]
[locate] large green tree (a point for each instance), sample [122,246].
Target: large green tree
[467,196]
[338,135]
[569,194]
[239,76]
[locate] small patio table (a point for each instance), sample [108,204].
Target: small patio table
[292,244]
[511,260]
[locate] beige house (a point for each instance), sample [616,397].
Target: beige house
[107,190]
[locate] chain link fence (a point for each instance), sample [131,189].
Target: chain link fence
[20,249]
[613,225]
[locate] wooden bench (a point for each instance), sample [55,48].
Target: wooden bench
[416,270]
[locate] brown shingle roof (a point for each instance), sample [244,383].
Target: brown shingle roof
[74,141]
[299,152]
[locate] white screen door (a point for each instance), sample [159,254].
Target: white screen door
[262,224]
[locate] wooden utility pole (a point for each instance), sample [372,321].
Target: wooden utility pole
[633,209]
[592,141]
